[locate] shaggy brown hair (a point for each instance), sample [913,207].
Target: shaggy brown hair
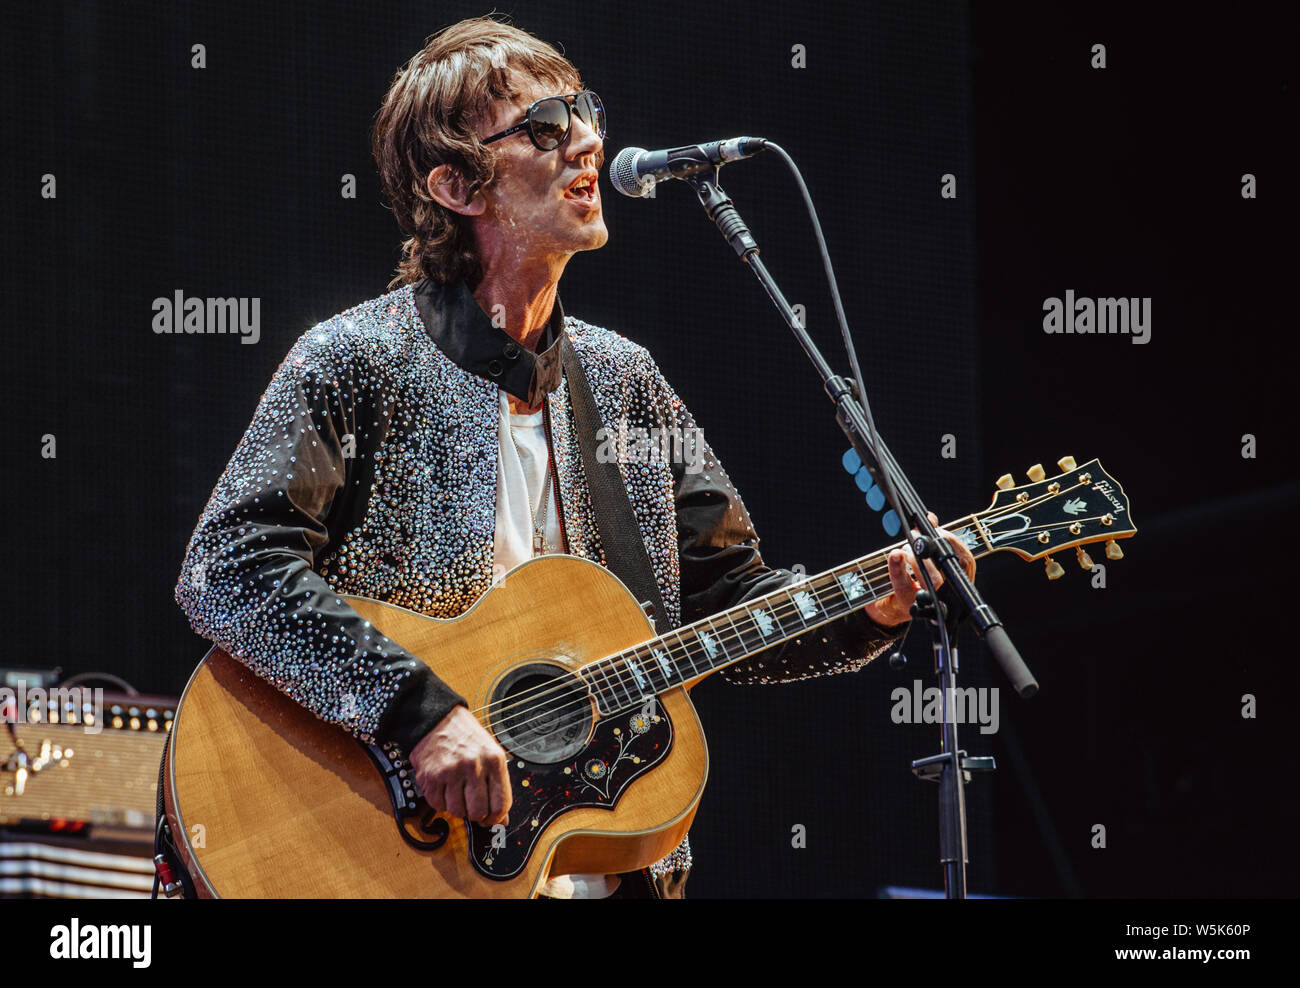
[429,118]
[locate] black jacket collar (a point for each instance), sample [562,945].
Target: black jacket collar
[466,335]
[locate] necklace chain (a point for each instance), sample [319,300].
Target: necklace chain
[540,546]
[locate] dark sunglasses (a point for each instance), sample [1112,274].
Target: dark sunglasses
[548,119]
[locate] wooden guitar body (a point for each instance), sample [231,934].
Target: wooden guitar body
[266,800]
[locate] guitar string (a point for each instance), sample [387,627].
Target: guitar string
[787,608]
[576,683]
[577,691]
[580,694]
[581,689]
[783,610]
[790,607]
[569,685]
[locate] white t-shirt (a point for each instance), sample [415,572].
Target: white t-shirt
[522,474]
[519,485]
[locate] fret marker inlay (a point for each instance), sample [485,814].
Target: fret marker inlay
[710,645]
[852,585]
[664,664]
[804,601]
[638,675]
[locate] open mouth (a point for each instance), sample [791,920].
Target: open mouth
[583,189]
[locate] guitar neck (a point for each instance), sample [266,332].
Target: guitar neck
[691,652]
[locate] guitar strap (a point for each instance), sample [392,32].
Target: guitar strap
[620,535]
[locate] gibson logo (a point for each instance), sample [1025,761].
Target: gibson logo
[1103,488]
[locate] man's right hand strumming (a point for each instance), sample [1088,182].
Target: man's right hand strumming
[461,770]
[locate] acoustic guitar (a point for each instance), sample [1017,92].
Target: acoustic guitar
[607,758]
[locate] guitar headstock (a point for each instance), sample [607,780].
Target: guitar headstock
[1080,505]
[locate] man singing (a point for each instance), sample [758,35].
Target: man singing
[414,446]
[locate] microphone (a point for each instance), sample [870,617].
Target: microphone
[635,171]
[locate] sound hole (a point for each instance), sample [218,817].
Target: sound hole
[541,713]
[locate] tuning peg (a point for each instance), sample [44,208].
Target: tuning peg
[1066,463]
[1006,481]
[1036,472]
[1085,560]
[1054,569]
[1113,551]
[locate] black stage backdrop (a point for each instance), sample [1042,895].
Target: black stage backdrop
[1122,180]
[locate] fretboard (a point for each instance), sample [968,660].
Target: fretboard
[625,680]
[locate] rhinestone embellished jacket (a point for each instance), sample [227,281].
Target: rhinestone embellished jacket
[370,468]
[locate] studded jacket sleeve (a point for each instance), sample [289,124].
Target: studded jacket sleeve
[249,582]
[721,567]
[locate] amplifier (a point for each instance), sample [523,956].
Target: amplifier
[78,790]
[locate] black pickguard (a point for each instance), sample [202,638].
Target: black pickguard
[627,744]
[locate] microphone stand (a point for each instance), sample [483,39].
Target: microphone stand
[951,767]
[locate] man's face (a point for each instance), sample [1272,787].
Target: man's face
[531,216]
